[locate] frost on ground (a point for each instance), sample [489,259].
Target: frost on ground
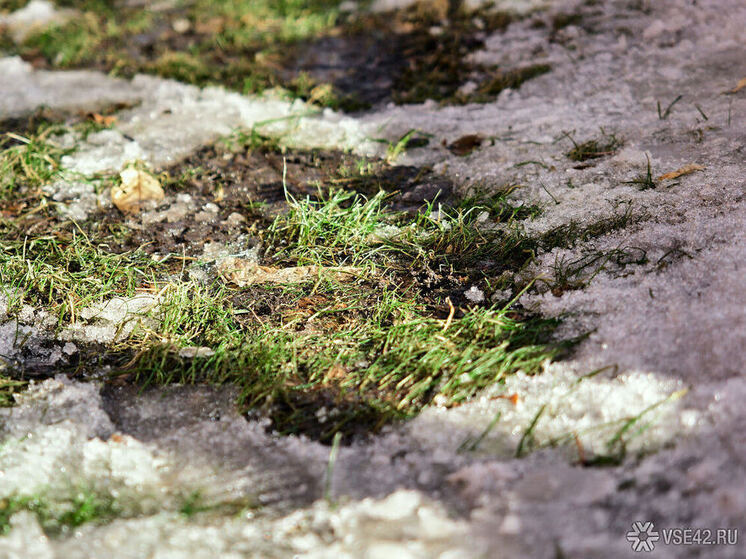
[174,119]
[662,292]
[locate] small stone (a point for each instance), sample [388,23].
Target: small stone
[181,25]
[235,219]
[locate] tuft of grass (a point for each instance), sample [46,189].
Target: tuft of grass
[498,207]
[445,237]
[578,273]
[569,234]
[28,161]
[333,230]
[594,148]
[411,139]
[646,180]
[72,44]
[663,114]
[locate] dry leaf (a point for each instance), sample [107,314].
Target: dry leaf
[246,272]
[219,195]
[465,144]
[739,86]
[137,187]
[101,119]
[685,170]
[512,398]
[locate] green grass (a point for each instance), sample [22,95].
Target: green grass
[342,228]
[326,356]
[372,355]
[333,230]
[249,45]
[59,515]
[644,181]
[8,387]
[230,42]
[66,273]
[371,350]
[246,22]
[28,161]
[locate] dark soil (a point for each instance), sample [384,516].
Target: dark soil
[249,182]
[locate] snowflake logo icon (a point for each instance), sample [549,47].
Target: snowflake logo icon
[643,536]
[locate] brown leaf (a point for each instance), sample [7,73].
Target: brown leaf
[465,144]
[101,119]
[685,170]
[739,86]
[136,187]
[246,272]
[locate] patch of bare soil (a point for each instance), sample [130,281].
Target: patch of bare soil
[218,194]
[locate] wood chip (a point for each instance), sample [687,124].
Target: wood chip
[137,187]
[685,170]
[244,273]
